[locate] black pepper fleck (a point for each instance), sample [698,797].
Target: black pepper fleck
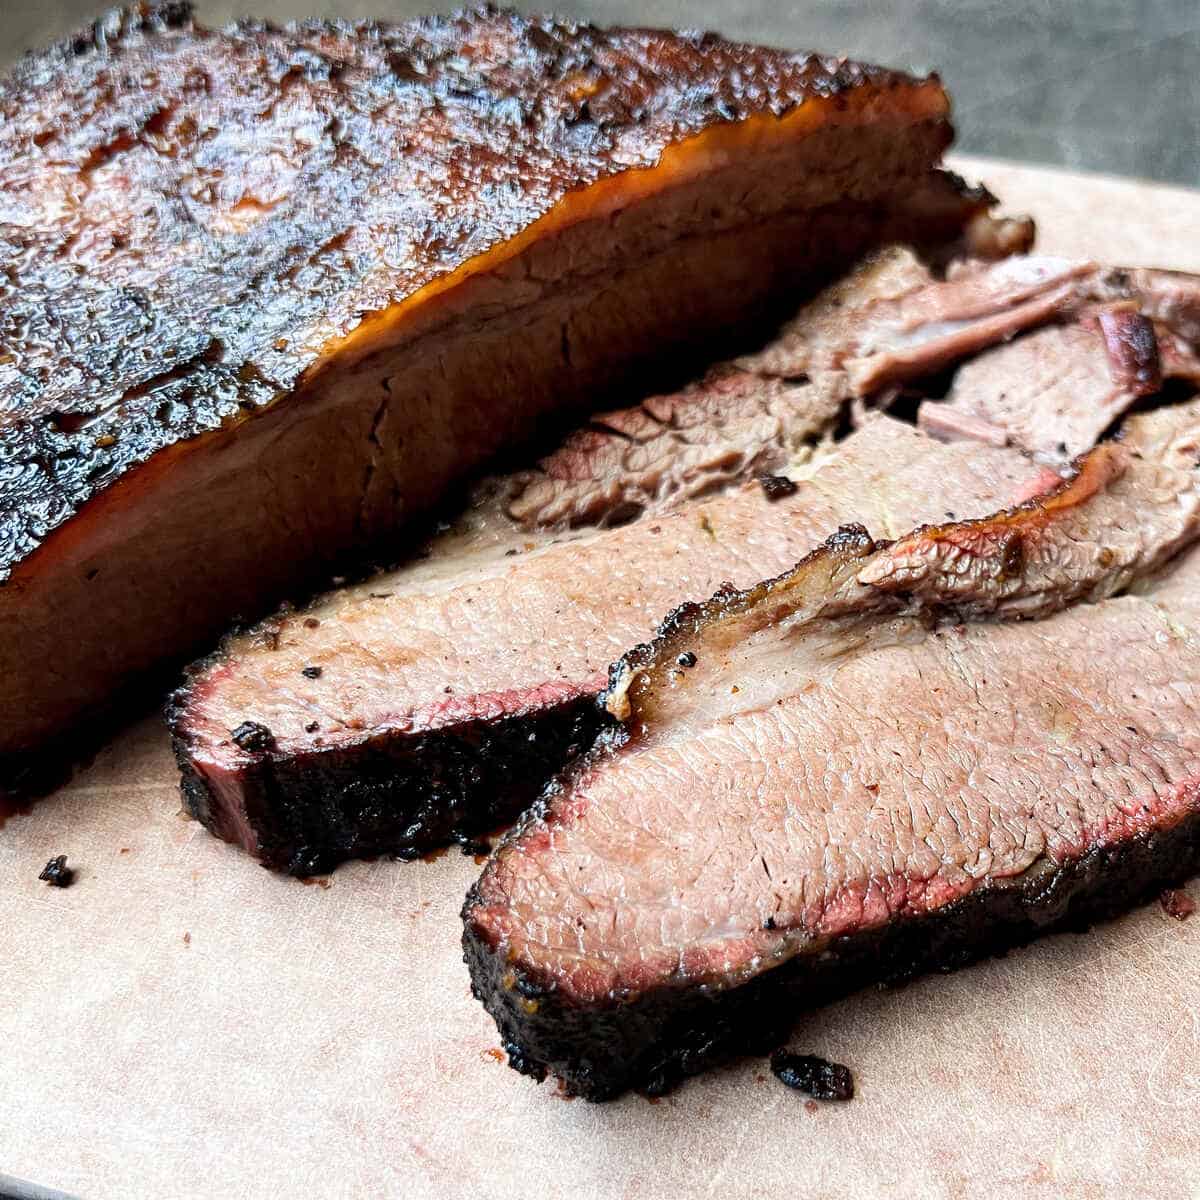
[250,735]
[311,672]
[686,659]
[775,487]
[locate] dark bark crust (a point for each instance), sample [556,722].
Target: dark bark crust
[400,797]
[483,99]
[653,1042]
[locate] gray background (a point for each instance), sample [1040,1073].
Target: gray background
[1103,85]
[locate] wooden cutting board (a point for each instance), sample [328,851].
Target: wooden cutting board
[181,1023]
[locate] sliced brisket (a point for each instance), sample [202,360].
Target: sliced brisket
[401,711]
[869,768]
[269,291]
[449,693]
[1054,391]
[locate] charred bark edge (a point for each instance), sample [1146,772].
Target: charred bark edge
[397,795]
[654,1042]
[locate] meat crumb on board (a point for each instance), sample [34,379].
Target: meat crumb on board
[1177,903]
[56,872]
[820,1078]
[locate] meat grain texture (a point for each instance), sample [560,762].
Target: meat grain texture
[893,757]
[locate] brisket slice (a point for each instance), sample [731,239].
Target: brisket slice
[269,291]
[924,325]
[671,449]
[893,757]
[450,692]
[1056,390]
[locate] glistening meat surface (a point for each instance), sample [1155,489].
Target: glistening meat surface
[865,767]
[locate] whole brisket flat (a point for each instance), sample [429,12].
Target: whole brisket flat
[268,291]
[894,756]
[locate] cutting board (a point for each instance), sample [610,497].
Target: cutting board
[181,1023]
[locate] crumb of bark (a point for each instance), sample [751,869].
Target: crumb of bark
[820,1078]
[250,735]
[1177,903]
[56,872]
[775,487]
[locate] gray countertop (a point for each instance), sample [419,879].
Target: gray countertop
[1102,85]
